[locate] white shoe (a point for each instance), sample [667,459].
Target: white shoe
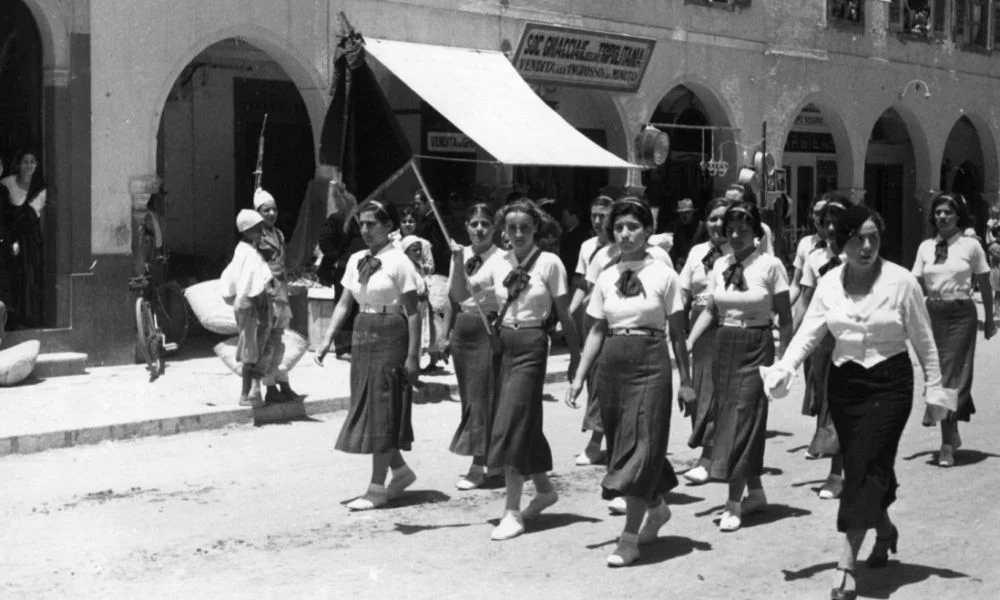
[697,475]
[401,479]
[626,553]
[471,481]
[511,526]
[539,503]
[617,506]
[375,497]
[731,518]
[655,519]
[585,461]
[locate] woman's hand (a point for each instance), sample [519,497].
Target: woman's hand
[456,249]
[412,370]
[686,400]
[575,387]
[574,364]
[319,356]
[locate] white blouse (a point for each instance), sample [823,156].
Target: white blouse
[610,252]
[870,329]
[815,261]
[694,277]
[651,310]
[547,281]
[486,296]
[587,252]
[395,277]
[804,249]
[953,278]
[765,278]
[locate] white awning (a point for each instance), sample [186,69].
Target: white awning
[482,94]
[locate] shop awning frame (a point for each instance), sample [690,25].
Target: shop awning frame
[481,93]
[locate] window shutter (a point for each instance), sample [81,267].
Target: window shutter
[940,9]
[959,26]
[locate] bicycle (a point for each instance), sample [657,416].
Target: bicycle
[161,318]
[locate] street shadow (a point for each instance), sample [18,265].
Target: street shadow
[670,547]
[972,457]
[31,381]
[429,392]
[797,449]
[771,471]
[410,498]
[773,434]
[412,529]
[887,582]
[712,510]
[547,397]
[772,514]
[680,499]
[799,484]
[547,521]
[930,453]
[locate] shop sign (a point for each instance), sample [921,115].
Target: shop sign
[810,142]
[581,58]
[450,142]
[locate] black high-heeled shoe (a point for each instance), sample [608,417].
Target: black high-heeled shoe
[880,553]
[841,592]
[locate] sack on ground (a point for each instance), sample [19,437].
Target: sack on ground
[210,308]
[17,362]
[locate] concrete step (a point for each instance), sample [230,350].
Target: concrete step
[56,364]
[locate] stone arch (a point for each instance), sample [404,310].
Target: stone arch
[311,84]
[988,147]
[54,31]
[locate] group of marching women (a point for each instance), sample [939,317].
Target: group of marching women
[858,312]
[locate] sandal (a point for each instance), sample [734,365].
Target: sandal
[841,592]
[880,552]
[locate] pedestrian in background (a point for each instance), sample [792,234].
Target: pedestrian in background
[872,307]
[632,304]
[813,242]
[744,290]
[528,283]
[949,266]
[385,354]
[693,281]
[575,233]
[686,231]
[26,198]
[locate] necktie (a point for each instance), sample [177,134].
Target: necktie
[367,267]
[629,285]
[820,244]
[833,262]
[733,277]
[472,265]
[709,260]
[940,252]
[517,280]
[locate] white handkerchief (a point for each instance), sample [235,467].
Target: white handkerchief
[777,381]
[941,396]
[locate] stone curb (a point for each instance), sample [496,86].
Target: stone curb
[39,442]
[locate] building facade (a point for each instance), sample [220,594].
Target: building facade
[890,102]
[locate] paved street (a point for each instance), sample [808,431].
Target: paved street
[256,512]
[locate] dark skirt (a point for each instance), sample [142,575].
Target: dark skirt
[955,324]
[824,441]
[701,380]
[739,404]
[592,414]
[869,409]
[517,440]
[381,397]
[635,391]
[473,357]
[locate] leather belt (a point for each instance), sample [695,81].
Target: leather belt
[537,324]
[641,331]
[385,309]
[756,323]
[939,297]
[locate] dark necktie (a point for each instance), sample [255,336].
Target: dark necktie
[629,285]
[517,280]
[709,260]
[472,265]
[940,252]
[733,277]
[367,267]
[820,244]
[833,262]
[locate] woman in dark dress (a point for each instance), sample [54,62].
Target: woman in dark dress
[24,206]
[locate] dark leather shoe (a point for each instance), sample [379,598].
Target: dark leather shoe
[880,553]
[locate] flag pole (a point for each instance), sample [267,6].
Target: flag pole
[444,230]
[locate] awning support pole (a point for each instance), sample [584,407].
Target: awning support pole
[444,230]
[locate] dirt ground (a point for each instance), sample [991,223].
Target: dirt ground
[257,513]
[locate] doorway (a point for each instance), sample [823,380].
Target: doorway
[884,192]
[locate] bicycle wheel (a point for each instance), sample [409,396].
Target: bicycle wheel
[172,313]
[148,337]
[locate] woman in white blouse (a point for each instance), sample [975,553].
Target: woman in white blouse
[471,349]
[948,266]
[694,289]
[871,306]
[817,367]
[527,282]
[633,301]
[744,290]
[807,245]
[384,354]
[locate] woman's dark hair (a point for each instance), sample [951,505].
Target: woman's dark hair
[628,206]
[957,203]
[716,203]
[407,211]
[37,183]
[479,209]
[523,206]
[385,212]
[746,192]
[852,220]
[747,211]
[602,200]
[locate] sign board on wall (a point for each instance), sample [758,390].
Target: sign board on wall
[450,142]
[581,58]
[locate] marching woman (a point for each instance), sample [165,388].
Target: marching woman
[815,402]
[471,349]
[808,244]
[694,289]
[384,354]
[872,307]
[744,289]
[948,266]
[633,301]
[527,282]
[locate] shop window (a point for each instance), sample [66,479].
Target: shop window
[846,12]
[724,4]
[918,18]
[972,23]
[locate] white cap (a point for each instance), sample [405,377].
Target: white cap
[262,197]
[248,219]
